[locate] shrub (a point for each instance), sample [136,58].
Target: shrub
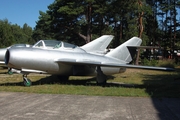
[160,63]
[166,63]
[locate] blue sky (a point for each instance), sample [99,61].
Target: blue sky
[23,11]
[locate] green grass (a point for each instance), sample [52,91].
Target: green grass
[134,82]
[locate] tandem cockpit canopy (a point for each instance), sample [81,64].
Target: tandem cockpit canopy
[53,44]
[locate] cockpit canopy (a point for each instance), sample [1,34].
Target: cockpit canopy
[53,44]
[57,45]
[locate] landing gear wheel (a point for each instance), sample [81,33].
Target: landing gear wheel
[27,82]
[10,71]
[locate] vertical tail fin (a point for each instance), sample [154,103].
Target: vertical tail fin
[98,45]
[122,53]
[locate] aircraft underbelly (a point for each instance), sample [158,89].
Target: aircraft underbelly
[112,70]
[82,70]
[88,70]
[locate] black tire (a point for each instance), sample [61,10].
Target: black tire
[27,82]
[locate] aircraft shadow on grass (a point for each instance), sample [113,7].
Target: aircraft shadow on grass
[164,85]
[3,73]
[154,84]
[164,89]
[53,79]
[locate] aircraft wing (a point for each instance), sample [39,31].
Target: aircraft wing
[104,64]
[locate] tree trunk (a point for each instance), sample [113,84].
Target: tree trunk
[174,19]
[140,20]
[83,36]
[121,30]
[140,28]
[88,38]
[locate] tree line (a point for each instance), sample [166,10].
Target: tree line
[80,21]
[14,34]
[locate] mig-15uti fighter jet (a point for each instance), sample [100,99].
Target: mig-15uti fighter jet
[73,62]
[97,46]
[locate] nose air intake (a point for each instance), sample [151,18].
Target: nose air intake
[7,56]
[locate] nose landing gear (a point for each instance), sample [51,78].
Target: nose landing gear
[27,82]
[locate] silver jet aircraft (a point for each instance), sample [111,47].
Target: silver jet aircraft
[74,62]
[97,46]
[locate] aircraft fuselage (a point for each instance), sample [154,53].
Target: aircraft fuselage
[47,61]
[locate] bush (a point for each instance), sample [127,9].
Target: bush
[149,62]
[160,63]
[166,63]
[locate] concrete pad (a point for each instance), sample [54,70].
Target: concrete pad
[30,106]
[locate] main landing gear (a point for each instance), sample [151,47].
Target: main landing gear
[27,82]
[101,77]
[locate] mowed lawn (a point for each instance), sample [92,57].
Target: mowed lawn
[134,82]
